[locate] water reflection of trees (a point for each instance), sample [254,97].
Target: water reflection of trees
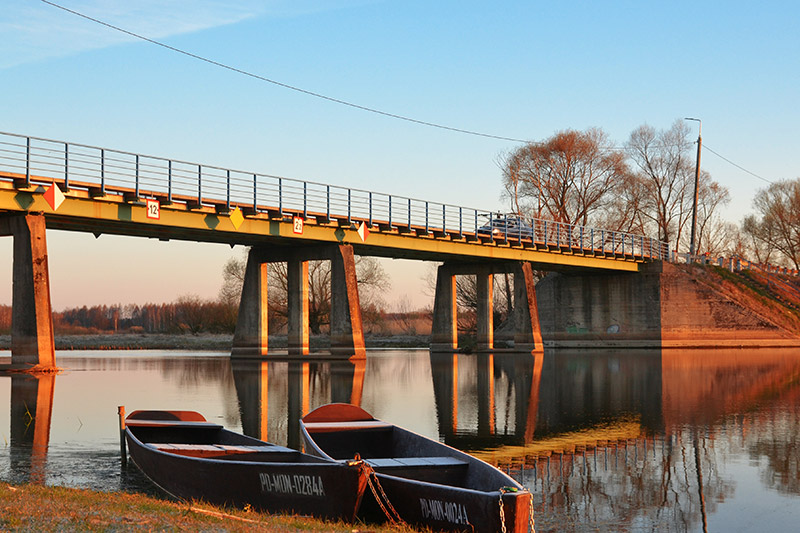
[772,440]
[631,485]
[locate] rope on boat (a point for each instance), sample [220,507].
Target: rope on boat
[376,488]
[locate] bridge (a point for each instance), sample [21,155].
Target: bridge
[46,183]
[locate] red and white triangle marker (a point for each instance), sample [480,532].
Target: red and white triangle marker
[363,232]
[54,197]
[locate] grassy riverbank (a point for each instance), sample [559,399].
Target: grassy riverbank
[38,508]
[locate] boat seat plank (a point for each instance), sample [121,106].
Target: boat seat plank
[172,424]
[414,462]
[323,427]
[213,450]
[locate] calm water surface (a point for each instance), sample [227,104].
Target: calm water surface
[606,440]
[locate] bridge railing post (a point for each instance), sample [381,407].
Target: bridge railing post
[136,179]
[103,172]
[228,189]
[66,166]
[27,162]
[255,193]
[199,184]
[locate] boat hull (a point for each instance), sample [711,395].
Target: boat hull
[427,483]
[445,508]
[280,481]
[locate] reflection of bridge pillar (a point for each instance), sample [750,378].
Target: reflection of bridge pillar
[528,334]
[533,398]
[444,371]
[485,394]
[347,381]
[251,379]
[347,333]
[444,330]
[485,318]
[298,402]
[297,287]
[31,313]
[251,335]
[31,413]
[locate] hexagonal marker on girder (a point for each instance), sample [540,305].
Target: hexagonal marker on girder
[54,197]
[237,218]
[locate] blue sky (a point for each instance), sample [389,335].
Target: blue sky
[514,69]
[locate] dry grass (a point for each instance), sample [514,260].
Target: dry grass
[38,508]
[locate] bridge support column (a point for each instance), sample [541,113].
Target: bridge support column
[528,334]
[297,287]
[485,311]
[347,333]
[32,341]
[251,335]
[444,330]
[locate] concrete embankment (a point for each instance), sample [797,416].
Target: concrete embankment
[670,306]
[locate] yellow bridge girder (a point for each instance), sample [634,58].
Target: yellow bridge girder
[116,213]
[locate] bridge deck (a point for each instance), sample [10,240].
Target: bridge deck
[111,192]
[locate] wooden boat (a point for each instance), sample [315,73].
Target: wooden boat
[415,479]
[193,459]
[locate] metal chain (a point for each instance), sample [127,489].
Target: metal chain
[502,511]
[373,482]
[531,521]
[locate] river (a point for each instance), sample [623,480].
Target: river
[695,440]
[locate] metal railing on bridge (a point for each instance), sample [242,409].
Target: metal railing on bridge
[34,160]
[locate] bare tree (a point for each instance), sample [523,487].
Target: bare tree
[758,239]
[570,177]
[372,282]
[666,171]
[777,223]
[714,235]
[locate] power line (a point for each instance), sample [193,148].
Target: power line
[281,84]
[705,146]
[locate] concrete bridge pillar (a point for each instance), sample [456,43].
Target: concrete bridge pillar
[347,336]
[297,287]
[32,342]
[528,334]
[444,333]
[444,330]
[252,326]
[347,333]
[485,311]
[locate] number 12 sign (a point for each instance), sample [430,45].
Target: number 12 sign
[153,209]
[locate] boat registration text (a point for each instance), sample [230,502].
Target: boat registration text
[292,484]
[452,512]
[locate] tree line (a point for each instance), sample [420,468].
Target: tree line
[188,314]
[645,186]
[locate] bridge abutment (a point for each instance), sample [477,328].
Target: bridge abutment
[32,342]
[444,332]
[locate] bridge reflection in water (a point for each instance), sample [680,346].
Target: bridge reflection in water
[602,437]
[31,415]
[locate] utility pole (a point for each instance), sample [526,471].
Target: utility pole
[696,182]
